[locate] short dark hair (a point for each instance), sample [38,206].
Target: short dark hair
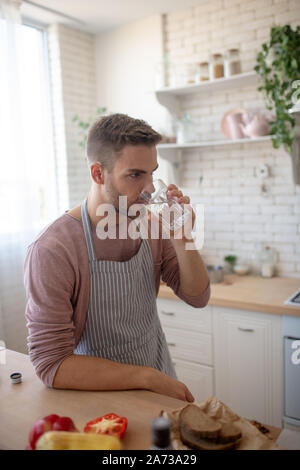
[108,136]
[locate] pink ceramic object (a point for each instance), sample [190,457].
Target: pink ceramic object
[255,124]
[232,122]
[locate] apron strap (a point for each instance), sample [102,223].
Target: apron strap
[88,231]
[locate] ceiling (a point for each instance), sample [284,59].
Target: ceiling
[97,16]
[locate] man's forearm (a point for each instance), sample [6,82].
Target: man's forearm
[194,278]
[78,372]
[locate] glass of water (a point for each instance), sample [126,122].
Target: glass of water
[172,214]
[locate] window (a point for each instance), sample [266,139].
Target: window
[27,164]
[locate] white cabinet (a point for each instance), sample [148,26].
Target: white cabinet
[235,355]
[188,333]
[178,314]
[190,345]
[248,363]
[198,378]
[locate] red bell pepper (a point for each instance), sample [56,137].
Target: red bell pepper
[49,423]
[110,424]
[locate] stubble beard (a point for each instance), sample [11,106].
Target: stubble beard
[113,198]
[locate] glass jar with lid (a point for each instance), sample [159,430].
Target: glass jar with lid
[232,62]
[268,261]
[202,72]
[188,71]
[216,66]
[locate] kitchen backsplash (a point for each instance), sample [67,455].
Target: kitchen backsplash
[237,216]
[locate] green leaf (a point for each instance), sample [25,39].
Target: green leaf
[101,110]
[83,126]
[294,64]
[275,81]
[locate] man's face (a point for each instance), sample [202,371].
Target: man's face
[132,174]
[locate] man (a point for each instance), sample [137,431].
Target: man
[91,310]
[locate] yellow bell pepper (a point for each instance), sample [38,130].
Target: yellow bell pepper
[64,440]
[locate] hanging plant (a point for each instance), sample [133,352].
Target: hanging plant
[278,65]
[84,125]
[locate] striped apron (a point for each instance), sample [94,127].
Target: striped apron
[122,322]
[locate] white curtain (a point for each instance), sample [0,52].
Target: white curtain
[10,10]
[27,174]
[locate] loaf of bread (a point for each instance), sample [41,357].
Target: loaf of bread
[229,433]
[204,444]
[200,431]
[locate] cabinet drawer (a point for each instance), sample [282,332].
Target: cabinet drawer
[199,379]
[190,345]
[178,314]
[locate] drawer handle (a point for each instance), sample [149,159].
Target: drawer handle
[171,344]
[170,314]
[250,330]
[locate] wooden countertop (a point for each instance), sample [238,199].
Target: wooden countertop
[250,293]
[22,404]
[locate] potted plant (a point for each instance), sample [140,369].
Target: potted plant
[278,65]
[84,125]
[230,260]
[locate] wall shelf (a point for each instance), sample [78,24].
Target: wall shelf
[170,96]
[209,143]
[242,79]
[173,152]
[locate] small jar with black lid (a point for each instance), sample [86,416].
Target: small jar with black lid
[161,434]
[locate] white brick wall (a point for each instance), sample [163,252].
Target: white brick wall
[72,69]
[237,217]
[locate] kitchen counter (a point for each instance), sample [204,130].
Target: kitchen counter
[250,293]
[22,404]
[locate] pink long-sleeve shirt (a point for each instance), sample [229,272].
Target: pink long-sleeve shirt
[57,283]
